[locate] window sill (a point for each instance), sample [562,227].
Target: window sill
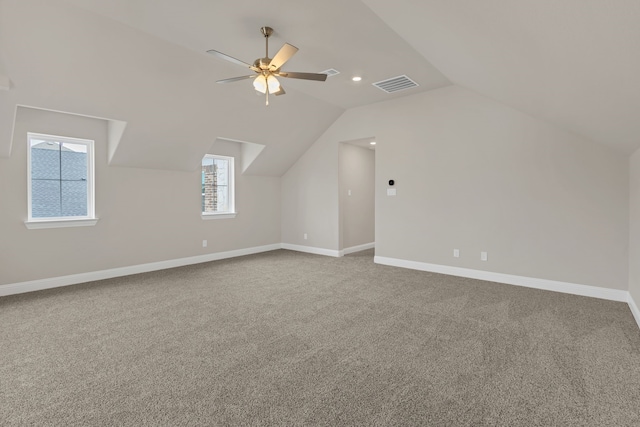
[219,215]
[60,223]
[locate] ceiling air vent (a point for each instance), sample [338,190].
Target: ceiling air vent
[395,84]
[330,72]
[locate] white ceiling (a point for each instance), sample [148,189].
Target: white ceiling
[341,34]
[574,63]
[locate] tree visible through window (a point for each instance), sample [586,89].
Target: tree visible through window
[60,179]
[217,184]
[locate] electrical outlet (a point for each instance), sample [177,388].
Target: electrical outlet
[456,253]
[204,243]
[305,236]
[483,256]
[349,192]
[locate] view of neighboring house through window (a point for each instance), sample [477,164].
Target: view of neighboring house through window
[217,185]
[60,178]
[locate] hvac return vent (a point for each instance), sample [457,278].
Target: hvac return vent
[395,84]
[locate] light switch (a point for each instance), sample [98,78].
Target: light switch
[391,191]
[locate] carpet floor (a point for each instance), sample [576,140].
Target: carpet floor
[286,338]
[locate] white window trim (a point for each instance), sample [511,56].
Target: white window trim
[71,221]
[222,215]
[232,194]
[60,223]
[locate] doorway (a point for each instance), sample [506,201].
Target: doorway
[356,179]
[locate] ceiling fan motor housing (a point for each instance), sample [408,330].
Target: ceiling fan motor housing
[262,63]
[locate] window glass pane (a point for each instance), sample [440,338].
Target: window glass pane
[74,162]
[45,160]
[216,196]
[74,198]
[45,198]
[223,198]
[59,178]
[222,171]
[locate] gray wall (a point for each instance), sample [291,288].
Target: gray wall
[475,175]
[634,227]
[145,215]
[357,211]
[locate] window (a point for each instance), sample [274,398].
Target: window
[217,187]
[60,181]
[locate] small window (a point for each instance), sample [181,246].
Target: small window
[60,179]
[217,187]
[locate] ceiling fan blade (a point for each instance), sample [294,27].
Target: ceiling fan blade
[235,79]
[229,58]
[280,92]
[305,76]
[284,54]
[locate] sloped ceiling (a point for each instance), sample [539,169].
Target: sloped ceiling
[575,63]
[70,60]
[341,34]
[141,64]
[126,61]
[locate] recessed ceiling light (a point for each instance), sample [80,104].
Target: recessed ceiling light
[356,78]
[372,143]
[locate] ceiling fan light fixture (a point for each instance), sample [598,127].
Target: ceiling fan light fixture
[273,84]
[260,84]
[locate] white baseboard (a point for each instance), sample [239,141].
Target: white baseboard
[55,282]
[311,250]
[634,309]
[550,285]
[353,249]
[529,282]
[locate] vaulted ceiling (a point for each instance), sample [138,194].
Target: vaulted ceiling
[575,63]
[141,64]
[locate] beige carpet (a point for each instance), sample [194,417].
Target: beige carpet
[285,338]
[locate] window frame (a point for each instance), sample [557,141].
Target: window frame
[62,221]
[232,189]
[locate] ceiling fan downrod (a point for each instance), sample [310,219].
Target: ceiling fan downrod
[266,32]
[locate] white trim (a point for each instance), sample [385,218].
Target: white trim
[358,248]
[55,282]
[311,250]
[91,212]
[634,309]
[231,186]
[61,223]
[227,215]
[529,282]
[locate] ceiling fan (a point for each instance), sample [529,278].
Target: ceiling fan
[267,69]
